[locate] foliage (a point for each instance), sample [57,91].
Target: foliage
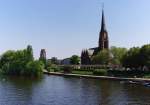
[54,60]
[34,68]
[117,54]
[137,57]
[44,61]
[132,58]
[8,56]
[147,75]
[53,68]
[75,60]
[101,58]
[101,72]
[67,69]
[14,62]
[82,72]
[127,73]
[145,55]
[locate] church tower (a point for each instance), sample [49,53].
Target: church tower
[103,43]
[103,35]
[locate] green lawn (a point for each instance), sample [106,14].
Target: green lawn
[82,72]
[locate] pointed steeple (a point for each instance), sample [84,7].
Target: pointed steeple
[103,35]
[103,25]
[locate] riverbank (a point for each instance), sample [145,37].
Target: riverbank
[99,77]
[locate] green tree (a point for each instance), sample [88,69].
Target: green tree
[54,60]
[75,60]
[101,58]
[132,58]
[15,63]
[7,57]
[145,55]
[117,54]
[34,68]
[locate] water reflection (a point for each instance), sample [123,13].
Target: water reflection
[17,90]
[57,90]
[140,95]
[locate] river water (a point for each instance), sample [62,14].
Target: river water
[57,90]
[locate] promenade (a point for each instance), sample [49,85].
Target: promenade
[141,80]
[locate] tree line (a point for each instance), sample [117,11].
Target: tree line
[20,62]
[135,57]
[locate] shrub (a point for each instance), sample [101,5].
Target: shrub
[48,69]
[127,73]
[147,76]
[34,68]
[56,68]
[67,69]
[53,68]
[101,72]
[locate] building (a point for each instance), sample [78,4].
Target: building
[103,43]
[43,54]
[65,61]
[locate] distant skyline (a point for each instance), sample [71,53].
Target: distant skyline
[65,27]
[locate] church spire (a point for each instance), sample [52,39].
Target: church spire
[103,35]
[103,25]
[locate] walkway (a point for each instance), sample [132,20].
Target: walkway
[98,77]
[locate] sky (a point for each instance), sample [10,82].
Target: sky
[66,27]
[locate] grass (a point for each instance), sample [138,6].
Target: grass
[82,72]
[147,76]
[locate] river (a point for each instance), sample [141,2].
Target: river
[58,90]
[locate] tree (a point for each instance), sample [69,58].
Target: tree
[117,54]
[34,68]
[7,57]
[145,55]
[15,63]
[75,60]
[101,58]
[54,60]
[132,58]
[137,57]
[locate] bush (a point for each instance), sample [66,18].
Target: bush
[48,69]
[101,72]
[53,68]
[56,69]
[34,68]
[127,73]
[147,75]
[67,69]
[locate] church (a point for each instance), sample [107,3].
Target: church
[103,43]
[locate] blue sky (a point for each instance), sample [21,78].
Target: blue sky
[65,27]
